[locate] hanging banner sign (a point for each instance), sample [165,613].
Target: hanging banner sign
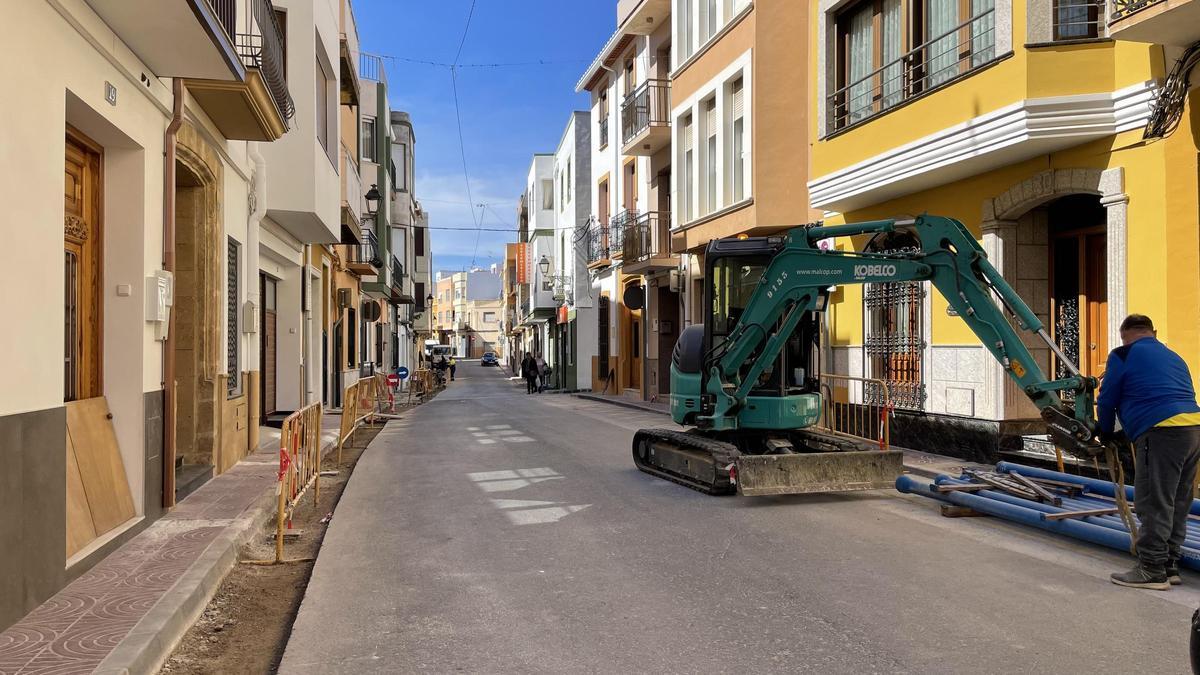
[524,264]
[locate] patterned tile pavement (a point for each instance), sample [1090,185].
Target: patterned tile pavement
[72,632]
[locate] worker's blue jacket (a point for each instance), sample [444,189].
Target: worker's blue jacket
[1144,384]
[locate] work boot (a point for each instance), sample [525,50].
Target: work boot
[1142,576]
[1172,571]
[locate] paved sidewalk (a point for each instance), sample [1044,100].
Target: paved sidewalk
[128,612]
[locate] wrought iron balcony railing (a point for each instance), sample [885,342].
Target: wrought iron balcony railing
[260,45]
[1123,8]
[397,272]
[956,52]
[597,243]
[644,236]
[647,106]
[366,252]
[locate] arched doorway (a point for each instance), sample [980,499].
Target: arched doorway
[1059,239]
[197,327]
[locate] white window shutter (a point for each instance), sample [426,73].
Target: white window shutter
[735,103]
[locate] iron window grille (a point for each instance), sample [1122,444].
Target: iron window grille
[893,339]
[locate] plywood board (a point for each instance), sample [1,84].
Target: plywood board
[100,466]
[80,530]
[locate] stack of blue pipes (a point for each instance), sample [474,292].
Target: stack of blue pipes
[1106,529]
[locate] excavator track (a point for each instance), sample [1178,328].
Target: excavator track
[690,459]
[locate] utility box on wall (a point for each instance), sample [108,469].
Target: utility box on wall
[160,297]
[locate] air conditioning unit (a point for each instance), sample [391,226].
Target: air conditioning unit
[343,298]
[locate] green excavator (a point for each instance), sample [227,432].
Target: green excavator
[746,381]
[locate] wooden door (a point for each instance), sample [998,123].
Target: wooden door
[268,349]
[1095,343]
[82,248]
[631,191]
[635,349]
[1079,301]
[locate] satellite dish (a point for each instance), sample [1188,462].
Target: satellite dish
[635,297]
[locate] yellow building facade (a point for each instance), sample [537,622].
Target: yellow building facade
[1026,123]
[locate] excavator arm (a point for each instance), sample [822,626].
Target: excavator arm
[796,282]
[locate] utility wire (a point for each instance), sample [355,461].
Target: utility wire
[460,66]
[466,29]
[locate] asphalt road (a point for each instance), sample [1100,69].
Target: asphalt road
[492,531]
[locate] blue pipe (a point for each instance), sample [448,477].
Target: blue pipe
[1072,528]
[1099,487]
[1113,522]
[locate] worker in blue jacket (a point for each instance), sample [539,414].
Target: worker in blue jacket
[1149,388]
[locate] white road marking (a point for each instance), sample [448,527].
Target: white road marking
[540,471]
[509,485]
[485,441]
[472,428]
[517,439]
[519,503]
[491,475]
[498,426]
[507,432]
[479,433]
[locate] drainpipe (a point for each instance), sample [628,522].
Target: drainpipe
[252,275]
[168,265]
[615,178]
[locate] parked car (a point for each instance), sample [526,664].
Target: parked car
[489,359]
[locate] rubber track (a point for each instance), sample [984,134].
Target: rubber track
[723,454]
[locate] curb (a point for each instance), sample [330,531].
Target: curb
[150,642]
[618,402]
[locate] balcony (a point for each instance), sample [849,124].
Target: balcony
[616,233]
[603,132]
[932,65]
[1168,22]
[643,17]
[185,38]
[646,118]
[598,246]
[352,188]
[363,259]
[647,244]
[400,293]
[348,63]
[256,107]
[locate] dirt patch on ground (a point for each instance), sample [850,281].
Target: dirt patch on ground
[245,627]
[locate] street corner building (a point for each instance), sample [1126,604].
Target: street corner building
[206,166]
[1045,127]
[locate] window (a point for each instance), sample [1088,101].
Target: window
[737,142]
[351,338]
[602,108]
[489,317]
[324,105]
[630,77]
[568,179]
[687,180]
[368,138]
[418,242]
[710,156]
[233,340]
[548,194]
[379,344]
[684,29]
[891,50]
[893,330]
[708,20]
[402,170]
[419,292]
[1077,19]
[281,21]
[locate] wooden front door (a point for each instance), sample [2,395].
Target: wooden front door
[1079,308]
[82,248]
[630,187]
[268,350]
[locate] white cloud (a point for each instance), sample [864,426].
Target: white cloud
[444,197]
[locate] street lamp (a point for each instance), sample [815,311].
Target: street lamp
[373,198]
[544,266]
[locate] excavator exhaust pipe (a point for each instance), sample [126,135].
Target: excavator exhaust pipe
[817,472]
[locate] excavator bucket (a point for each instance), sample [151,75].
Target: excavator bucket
[811,472]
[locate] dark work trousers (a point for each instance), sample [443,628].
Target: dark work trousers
[530,384]
[1166,474]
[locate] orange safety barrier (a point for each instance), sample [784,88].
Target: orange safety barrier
[299,467]
[856,406]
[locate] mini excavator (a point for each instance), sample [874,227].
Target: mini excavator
[745,382]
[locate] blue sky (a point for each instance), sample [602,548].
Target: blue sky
[507,113]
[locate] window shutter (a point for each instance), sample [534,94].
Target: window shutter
[710,118]
[735,102]
[689,131]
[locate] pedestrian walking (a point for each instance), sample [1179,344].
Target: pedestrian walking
[542,371]
[453,367]
[1149,389]
[529,372]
